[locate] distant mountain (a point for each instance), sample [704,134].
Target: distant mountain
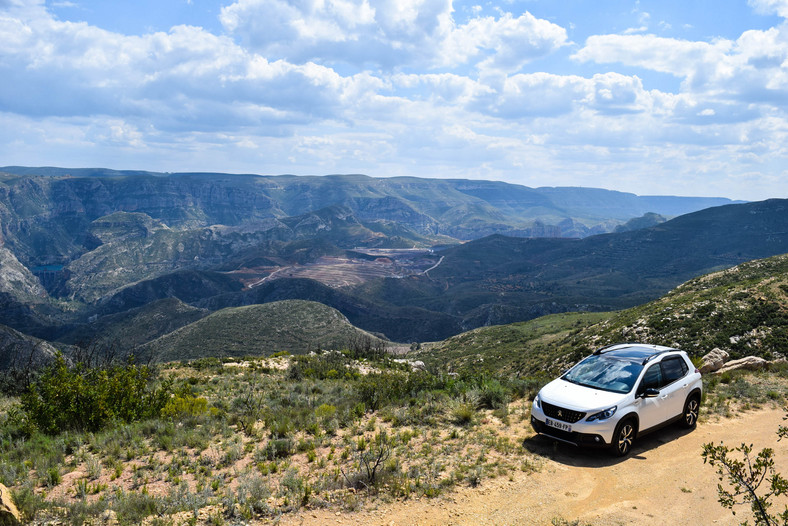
[293,325]
[742,310]
[46,212]
[80,249]
[645,221]
[499,279]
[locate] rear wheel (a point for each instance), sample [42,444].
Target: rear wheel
[623,438]
[691,410]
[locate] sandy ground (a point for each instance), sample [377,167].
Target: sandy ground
[664,481]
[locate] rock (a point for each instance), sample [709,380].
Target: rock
[749,362]
[109,518]
[714,360]
[9,515]
[415,365]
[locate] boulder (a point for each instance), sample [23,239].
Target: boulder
[9,515]
[713,361]
[748,362]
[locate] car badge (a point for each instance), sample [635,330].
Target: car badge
[560,413]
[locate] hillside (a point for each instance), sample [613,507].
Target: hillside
[127,330]
[81,244]
[260,330]
[22,352]
[491,281]
[316,436]
[498,280]
[742,310]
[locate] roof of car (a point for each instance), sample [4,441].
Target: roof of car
[634,351]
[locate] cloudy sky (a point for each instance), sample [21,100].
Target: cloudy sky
[652,97]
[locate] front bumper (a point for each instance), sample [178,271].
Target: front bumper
[586,434]
[574,438]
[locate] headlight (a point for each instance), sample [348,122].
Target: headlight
[603,415]
[538,401]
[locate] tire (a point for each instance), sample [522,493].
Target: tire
[689,418]
[623,438]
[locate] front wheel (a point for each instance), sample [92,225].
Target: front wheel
[691,409]
[623,438]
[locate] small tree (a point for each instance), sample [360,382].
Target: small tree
[86,398]
[745,478]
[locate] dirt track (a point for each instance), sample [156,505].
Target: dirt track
[664,481]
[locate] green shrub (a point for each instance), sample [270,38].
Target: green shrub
[493,395]
[179,407]
[87,398]
[278,448]
[463,413]
[28,502]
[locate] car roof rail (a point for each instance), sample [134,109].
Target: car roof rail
[657,353]
[607,348]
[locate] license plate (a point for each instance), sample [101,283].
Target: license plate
[558,425]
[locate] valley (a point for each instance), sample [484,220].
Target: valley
[407,259]
[337,272]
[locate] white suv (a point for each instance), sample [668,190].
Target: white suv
[618,393]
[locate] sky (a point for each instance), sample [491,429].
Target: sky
[662,97]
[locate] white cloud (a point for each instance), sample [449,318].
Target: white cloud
[778,7]
[503,44]
[396,88]
[388,33]
[752,69]
[351,31]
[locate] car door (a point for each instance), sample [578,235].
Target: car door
[674,393]
[651,411]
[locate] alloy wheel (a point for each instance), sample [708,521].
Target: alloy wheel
[691,412]
[626,435]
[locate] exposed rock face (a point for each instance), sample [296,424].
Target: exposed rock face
[714,360]
[9,515]
[16,279]
[750,362]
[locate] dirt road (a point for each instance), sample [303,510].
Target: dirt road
[664,481]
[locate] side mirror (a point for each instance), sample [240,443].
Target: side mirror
[650,393]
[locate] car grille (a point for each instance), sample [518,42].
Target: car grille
[561,413]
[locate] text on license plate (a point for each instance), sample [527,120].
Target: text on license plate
[558,425]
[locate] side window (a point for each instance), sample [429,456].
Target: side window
[652,378]
[673,369]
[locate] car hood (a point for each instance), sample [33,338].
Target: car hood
[573,396]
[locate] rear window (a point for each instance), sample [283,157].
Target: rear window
[674,368]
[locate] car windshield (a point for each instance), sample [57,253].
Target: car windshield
[606,373]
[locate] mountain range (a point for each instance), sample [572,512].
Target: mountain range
[129,257]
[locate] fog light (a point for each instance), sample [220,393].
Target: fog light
[596,439]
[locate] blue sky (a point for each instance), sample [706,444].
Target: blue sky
[651,97]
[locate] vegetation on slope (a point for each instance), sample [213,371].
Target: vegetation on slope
[258,438]
[295,326]
[132,328]
[499,280]
[742,310]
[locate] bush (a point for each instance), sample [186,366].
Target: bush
[28,502]
[463,413]
[278,448]
[87,398]
[179,407]
[493,395]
